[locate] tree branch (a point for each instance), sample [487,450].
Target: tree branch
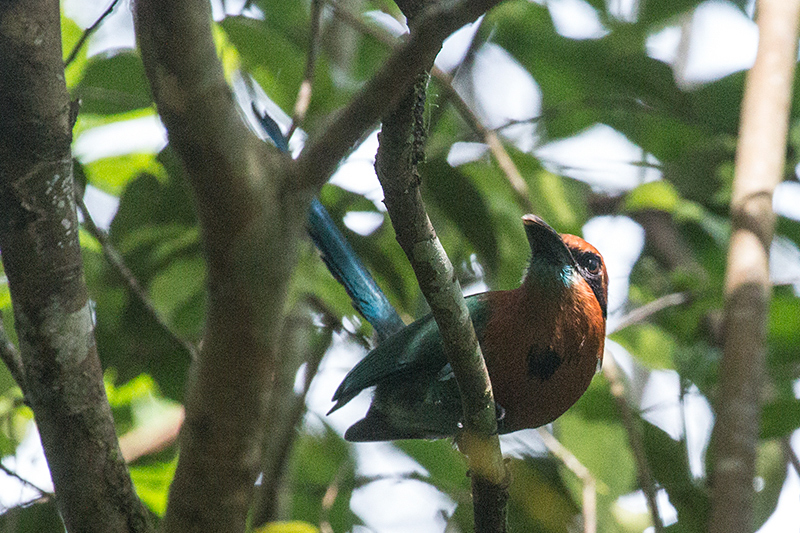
[42,259]
[251,217]
[400,151]
[88,32]
[643,473]
[301,344]
[384,90]
[760,158]
[589,507]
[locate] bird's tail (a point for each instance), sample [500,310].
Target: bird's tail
[367,297]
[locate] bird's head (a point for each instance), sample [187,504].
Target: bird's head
[563,260]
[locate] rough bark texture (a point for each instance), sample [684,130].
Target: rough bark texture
[759,168]
[62,378]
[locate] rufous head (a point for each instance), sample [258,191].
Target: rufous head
[560,256]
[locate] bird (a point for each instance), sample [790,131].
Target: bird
[542,343]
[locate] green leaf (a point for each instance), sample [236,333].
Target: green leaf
[462,203]
[291,526]
[36,518]
[603,448]
[661,11]
[649,343]
[71,33]
[112,174]
[113,84]
[539,501]
[660,195]
[319,462]
[152,483]
[669,465]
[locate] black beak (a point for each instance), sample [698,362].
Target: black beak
[546,243]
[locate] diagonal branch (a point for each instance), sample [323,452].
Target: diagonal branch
[643,473]
[11,357]
[89,31]
[385,89]
[399,153]
[760,160]
[116,261]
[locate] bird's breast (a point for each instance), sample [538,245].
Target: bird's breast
[541,352]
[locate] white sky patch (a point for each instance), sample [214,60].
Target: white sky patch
[663,44]
[698,421]
[455,47]
[30,464]
[724,41]
[357,173]
[576,19]
[138,135]
[619,253]
[660,402]
[387,22]
[635,502]
[384,506]
[600,156]
[363,222]
[499,90]
[116,31]
[101,205]
[786,200]
[462,153]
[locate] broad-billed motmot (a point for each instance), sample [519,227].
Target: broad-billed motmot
[542,341]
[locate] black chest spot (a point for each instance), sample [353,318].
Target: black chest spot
[542,363]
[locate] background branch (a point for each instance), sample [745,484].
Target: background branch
[88,32]
[116,261]
[759,168]
[11,357]
[643,473]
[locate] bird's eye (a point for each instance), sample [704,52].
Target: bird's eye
[592,263]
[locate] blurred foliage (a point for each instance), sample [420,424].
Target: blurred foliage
[608,80]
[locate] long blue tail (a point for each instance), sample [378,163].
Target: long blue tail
[368,299]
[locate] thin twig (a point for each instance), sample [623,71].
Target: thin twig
[492,140]
[384,90]
[640,314]
[11,357]
[589,507]
[304,93]
[88,32]
[118,263]
[13,474]
[646,482]
[789,451]
[329,499]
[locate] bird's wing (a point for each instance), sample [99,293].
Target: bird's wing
[415,348]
